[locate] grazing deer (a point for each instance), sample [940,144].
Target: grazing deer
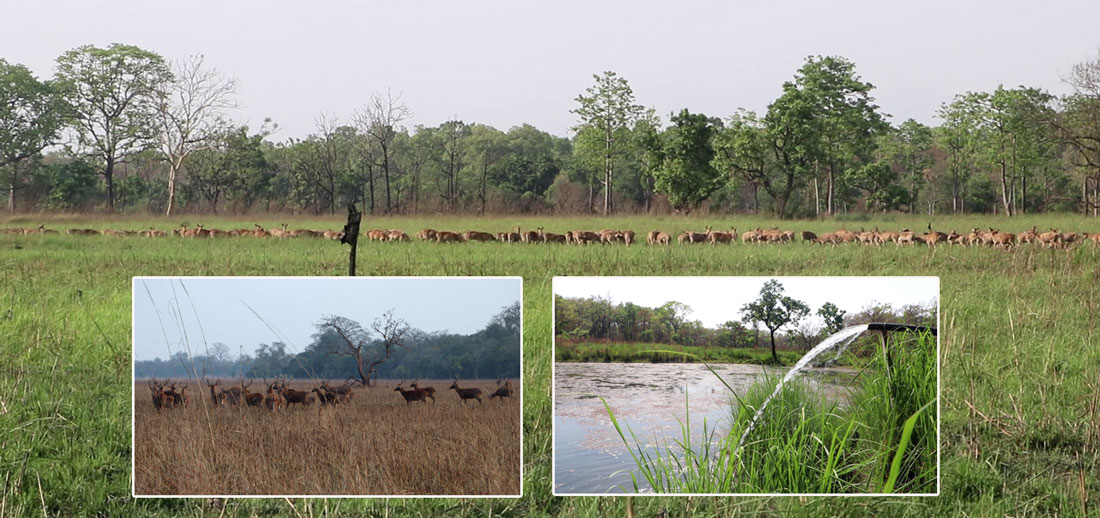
[157,390]
[447,237]
[628,236]
[466,393]
[610,237]
[1003,239]
[474,235]
[429,391]
[334,235]
[426,234]
[376,235]
[808,236]
[651,237]
[720,237]
[413,394]
[548,237]
[397,235]
[583,237]
[664,238]
[1028,236]
[502,391]
[1050,239]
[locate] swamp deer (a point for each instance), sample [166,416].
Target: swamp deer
[474,235]
[273,400]
[326,397]
[251,398]
[429,391]
[466,393]
[291,396]
[397,235]
[413,394]
[157,390]
[426,234]
[721,237]
[447,237]
[502,391]
[376,235]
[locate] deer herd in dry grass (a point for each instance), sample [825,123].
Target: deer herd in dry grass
[991,237]
[279,396]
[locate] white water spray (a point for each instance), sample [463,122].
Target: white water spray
[840,339]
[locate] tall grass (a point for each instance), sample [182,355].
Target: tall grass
[883,440]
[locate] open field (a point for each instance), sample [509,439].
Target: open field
[376,444]
[1020,366]
[648,352]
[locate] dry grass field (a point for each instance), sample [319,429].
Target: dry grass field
[375,445]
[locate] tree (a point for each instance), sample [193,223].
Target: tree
[190,114]
[1078,125]
[113,95]
[609,109]
[31,117]
[909,149]
[775,310]
[833,316]
[380,120]
[687,173]
[368,354]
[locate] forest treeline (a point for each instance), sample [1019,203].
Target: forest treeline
[599,319]
[122,129]
[493,352]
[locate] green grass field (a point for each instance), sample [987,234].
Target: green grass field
[1020,378]
[651,353]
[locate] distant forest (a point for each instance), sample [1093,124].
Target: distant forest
[122,129]
[598,319]
[492,352]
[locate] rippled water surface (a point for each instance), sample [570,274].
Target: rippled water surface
[589,456]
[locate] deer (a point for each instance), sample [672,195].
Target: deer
[466,393]
[397,235]
[413,394]
[171,397]
[502,391]
[273,400]
[376,235]
[932,237]
[663,238]
[1003,239]
[610,237]
[1050,239]
[157,390]
[429,391]
[426,234]
[1028,236]
[628,236]
[293,396]
[583,237]
[750,236]
[216,398]
[447,237]
[343,392]
[326,397]
[720,237]
[474,235]
[531,236]
[549,237]
[651,237]
[251,398]
[334,235]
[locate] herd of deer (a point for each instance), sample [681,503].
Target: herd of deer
[991,237]
[279,396]
[421,394]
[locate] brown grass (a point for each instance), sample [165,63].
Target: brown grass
[376,445]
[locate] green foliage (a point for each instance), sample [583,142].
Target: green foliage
[686,173]
[774,310]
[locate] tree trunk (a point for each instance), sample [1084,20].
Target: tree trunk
[172,170]
[829,203]
[775,356]
[109,176]
[386,174]
[1005,200]
[608,168]
[817,198]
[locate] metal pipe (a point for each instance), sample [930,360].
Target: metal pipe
[886,326]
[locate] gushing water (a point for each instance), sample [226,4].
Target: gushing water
[840,339]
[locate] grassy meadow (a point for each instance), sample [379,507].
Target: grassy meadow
[650,352]
[1020,378]
[376,444]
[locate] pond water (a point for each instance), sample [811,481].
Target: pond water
[590,457]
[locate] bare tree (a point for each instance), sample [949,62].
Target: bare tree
[380,120]
[368,354]
[1079,125]
[190,114]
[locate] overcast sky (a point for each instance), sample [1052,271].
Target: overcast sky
[716,300]
[507,62]
[292,306]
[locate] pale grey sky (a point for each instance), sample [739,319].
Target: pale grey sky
[293,305]
[715,300]
[506,63]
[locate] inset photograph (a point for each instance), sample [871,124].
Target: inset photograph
[746,385]
[327,386]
